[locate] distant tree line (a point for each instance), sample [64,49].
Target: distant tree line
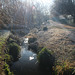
[21,13]
[64,7]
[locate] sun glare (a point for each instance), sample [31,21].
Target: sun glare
[46,2]
[43,2]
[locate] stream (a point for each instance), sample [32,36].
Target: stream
[27,63]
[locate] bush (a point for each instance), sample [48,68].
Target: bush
[14,50]
[32,40]
[10,40]
[13,38]
[45,29]
[45,58]
[33,46]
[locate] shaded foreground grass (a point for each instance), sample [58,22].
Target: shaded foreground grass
[46,58]
[65,68]
[7,51]
[2,52]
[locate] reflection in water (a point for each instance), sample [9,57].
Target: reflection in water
[26,40]
[27,64]
[31,58]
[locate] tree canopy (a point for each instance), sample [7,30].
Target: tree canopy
[64,7]
[16,12]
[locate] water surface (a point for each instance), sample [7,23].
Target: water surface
[27,63]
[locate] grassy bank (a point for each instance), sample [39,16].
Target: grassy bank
[59,38]
[3,39]
[8,45]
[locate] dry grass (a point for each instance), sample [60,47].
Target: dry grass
[64,69]
[60,39]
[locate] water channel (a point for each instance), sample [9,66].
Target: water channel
[27,63]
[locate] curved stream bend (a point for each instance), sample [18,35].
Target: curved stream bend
[27,64]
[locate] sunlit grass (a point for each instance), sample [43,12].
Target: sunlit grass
[64,69]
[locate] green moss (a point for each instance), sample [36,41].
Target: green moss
[14,50]
[7,58]
[45,58]
[13,38]
[7,70]
[7,51]
[4,56]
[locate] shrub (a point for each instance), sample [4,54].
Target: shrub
[32,40]
[45,58]
[14,50]
[13,38]
[22,33]
[64,69]
[33,46]
[45,29]
[10,40]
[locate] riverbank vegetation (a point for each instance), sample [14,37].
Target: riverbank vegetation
[62,43]
[46,26]
[13,47]
[7,69]
[9,52]
[65,68]
[45,58]
[3,57]
[14,50]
